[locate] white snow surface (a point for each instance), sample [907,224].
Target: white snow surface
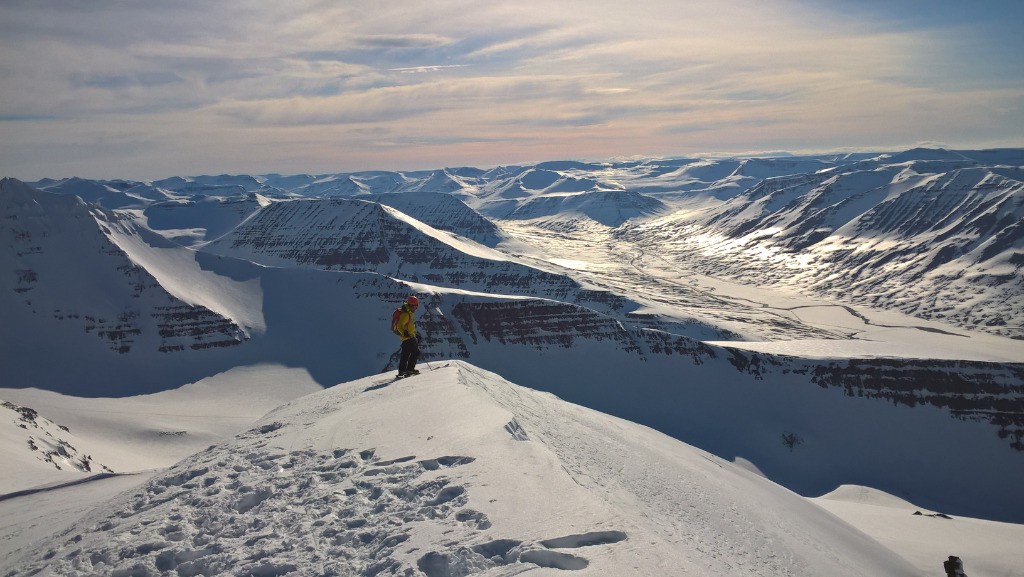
[925,538]
[454,472]
[178,272]
[129,434]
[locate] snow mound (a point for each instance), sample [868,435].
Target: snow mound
[539,179]
[35,446]
[610,208]
[867,496]
[456,472]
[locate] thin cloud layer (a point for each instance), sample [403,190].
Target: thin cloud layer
[114,89]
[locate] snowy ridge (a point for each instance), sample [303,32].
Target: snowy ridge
[424,477]
[357,235]
[108,194]
[434,181]
[222,185]
[39,446]
[201,218]
[609,208]
[445,212]
[55,262]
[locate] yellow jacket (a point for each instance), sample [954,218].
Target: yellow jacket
[405,325]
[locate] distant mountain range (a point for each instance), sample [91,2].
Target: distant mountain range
[939,236]
[119,288]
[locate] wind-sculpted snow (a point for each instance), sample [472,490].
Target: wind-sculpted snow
[40,445]
[420,477]
[251,508]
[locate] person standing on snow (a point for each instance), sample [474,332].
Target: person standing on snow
[406,329]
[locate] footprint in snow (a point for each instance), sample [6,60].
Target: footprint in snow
[264,512]
[465,561]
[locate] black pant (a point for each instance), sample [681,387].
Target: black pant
[410,352]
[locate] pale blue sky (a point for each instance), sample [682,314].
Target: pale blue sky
[149,89]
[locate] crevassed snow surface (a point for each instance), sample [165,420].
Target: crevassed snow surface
[456,472]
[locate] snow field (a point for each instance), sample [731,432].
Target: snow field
[455,472]
[926,538]
[149,431]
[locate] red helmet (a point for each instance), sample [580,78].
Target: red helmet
[412,301]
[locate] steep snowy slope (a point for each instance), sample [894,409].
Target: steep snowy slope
[75,438]
[34,447]
[357,235]
[923,537]
[69,295]
[456,472]
[445,212]
[201,218]
[736,403]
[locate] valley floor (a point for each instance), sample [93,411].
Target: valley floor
[769,320]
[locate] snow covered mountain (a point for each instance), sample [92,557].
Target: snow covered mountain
[938,238]
[609,208]
[619,286]
[201,218]
[69,290]
[456,472]
[359,235]
[108,194]
[445,212]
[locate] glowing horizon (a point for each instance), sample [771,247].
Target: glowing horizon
[107,89]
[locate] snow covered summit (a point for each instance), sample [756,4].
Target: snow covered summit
[456,472]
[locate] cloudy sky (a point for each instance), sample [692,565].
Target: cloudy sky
[151,88]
